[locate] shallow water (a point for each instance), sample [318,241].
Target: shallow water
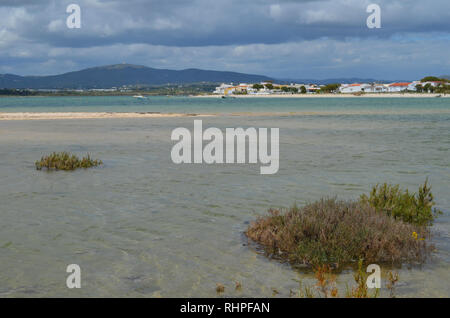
[218,105]
[143,226]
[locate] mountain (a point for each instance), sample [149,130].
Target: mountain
[125,74]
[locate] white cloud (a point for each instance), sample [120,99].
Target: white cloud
[55,25]
[275,11]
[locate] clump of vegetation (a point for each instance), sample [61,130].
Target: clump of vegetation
[361,290]
[17,92]
[339,233]
[442,85]
[434,79]
[326,281]
[389,226]
[326,285]
[66,161]
[220,288]
[392,281]
[415,208]
[292,90]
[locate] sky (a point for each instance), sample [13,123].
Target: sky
[286,39]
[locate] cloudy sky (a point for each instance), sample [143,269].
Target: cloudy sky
[284,39]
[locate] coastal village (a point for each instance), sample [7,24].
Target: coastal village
[270,88]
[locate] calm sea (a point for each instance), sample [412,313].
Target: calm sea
[143,226]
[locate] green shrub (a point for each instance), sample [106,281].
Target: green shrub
[400,204]
[338,233]
[66,161]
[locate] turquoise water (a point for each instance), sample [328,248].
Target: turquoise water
[143,226]
[216,105]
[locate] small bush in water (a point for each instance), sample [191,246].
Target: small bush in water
[338,233]
[66,161]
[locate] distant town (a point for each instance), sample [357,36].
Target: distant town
[129,79]
[426,85]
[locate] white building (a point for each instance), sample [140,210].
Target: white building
[375,88]
[243,88]
[220,90]
[351,88]
[312,88]
[399,87]
[433,84]
[378,88]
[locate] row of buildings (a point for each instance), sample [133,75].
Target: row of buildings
[267,88]
[384,88]
[263,88]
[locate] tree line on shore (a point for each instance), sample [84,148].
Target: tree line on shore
[442,88]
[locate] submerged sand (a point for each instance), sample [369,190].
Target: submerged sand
[87,115]
[137,115]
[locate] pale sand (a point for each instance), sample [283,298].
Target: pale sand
[75,115]
[80,115]
[370,95]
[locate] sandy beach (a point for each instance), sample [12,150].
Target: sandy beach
[88,115]
[100,115]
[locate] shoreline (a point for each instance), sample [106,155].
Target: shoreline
[347,95]
[367,95]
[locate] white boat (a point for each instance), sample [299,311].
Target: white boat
[139,96]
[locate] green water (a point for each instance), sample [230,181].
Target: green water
[217,105]
[143,226]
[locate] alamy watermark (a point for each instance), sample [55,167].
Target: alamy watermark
[74,279]
[229,148]
[74,19]
[374,279]
[374,20]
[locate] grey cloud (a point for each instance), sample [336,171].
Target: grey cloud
[278,38]
[220,22]
[384,59]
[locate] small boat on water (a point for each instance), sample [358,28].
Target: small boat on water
[139,96]
[438,96]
